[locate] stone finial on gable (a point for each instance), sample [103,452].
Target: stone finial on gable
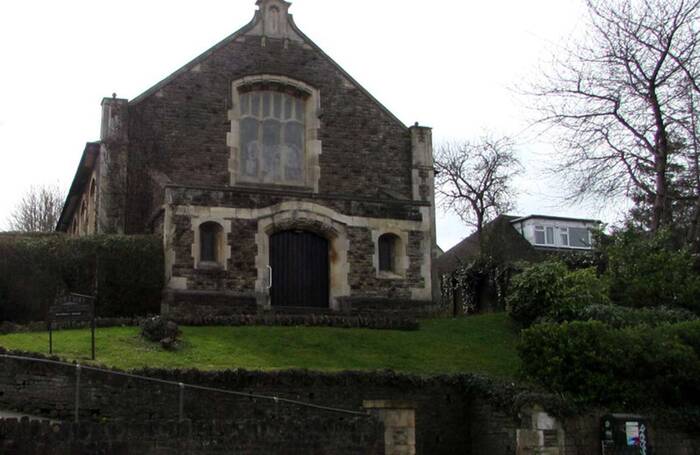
[272,20]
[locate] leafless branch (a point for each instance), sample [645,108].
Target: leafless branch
[474,178]
[619,101]
[38,210]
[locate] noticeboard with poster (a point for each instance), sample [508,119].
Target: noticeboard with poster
[625,434]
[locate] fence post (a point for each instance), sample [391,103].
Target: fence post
[182,401]
[77,392]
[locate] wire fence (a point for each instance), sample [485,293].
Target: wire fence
[180,385]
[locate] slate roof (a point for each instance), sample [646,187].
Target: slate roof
[501,241]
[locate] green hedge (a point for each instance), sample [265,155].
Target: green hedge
[126,273]
[594,363]
[619,316]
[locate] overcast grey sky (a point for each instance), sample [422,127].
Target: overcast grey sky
[448,64]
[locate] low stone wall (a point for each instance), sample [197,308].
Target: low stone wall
[282,434]
[452,414]
[307,320]
[205,305]
[397,307]
[442,404]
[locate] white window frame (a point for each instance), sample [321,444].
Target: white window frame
[558,232]
[543,229]
[590,239]
[564,231]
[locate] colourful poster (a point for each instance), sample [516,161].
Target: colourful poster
[632,432]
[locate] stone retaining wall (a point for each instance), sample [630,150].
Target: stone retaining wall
[452,414]
[282,434]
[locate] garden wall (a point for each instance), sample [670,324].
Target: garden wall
[444,405]
[453,414]
[283,434]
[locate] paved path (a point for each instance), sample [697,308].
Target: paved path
[15,415]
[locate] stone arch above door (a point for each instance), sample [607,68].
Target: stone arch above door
[307,220]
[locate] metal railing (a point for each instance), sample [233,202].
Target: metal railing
[181,386]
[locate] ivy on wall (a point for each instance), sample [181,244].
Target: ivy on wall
[476,286]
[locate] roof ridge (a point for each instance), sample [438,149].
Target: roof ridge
[242,31]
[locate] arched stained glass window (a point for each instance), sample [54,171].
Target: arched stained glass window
[272,137]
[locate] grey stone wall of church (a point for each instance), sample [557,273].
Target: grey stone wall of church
[238,281]
[180,131]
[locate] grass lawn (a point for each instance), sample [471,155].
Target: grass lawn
[478,344]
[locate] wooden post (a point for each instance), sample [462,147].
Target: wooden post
[182,401]
[455,297]
[77,393]
[93,338]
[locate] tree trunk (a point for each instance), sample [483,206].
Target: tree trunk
[660,213]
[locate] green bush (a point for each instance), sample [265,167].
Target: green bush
[618,316]
[646,270]
[581,289]
[594,363]
[126,273]
[535,291]
[549,291]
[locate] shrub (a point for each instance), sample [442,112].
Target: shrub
[581,289]
[647,270]
[535,291]
[157,329]
[597,364]
[618,316]
[549,291]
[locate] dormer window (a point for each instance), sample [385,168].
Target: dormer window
[544,235]
[562,236]
[579,237]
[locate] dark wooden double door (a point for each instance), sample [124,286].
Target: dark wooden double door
[300,269]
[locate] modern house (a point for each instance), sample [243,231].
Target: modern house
[522,238]
[552,232]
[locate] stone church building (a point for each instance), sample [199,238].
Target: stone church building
[276,181]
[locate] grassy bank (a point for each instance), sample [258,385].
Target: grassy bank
[479,344]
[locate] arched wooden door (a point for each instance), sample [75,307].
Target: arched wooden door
[300,269]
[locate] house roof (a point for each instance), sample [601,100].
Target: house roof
[501,241]
[554,218]
[81,178]
[244,30]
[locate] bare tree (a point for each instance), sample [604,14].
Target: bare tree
[474,178]
[622,101]
[39,209]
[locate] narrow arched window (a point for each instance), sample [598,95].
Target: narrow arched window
[210,238]
[83,218]
[388,244]
[93,191]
